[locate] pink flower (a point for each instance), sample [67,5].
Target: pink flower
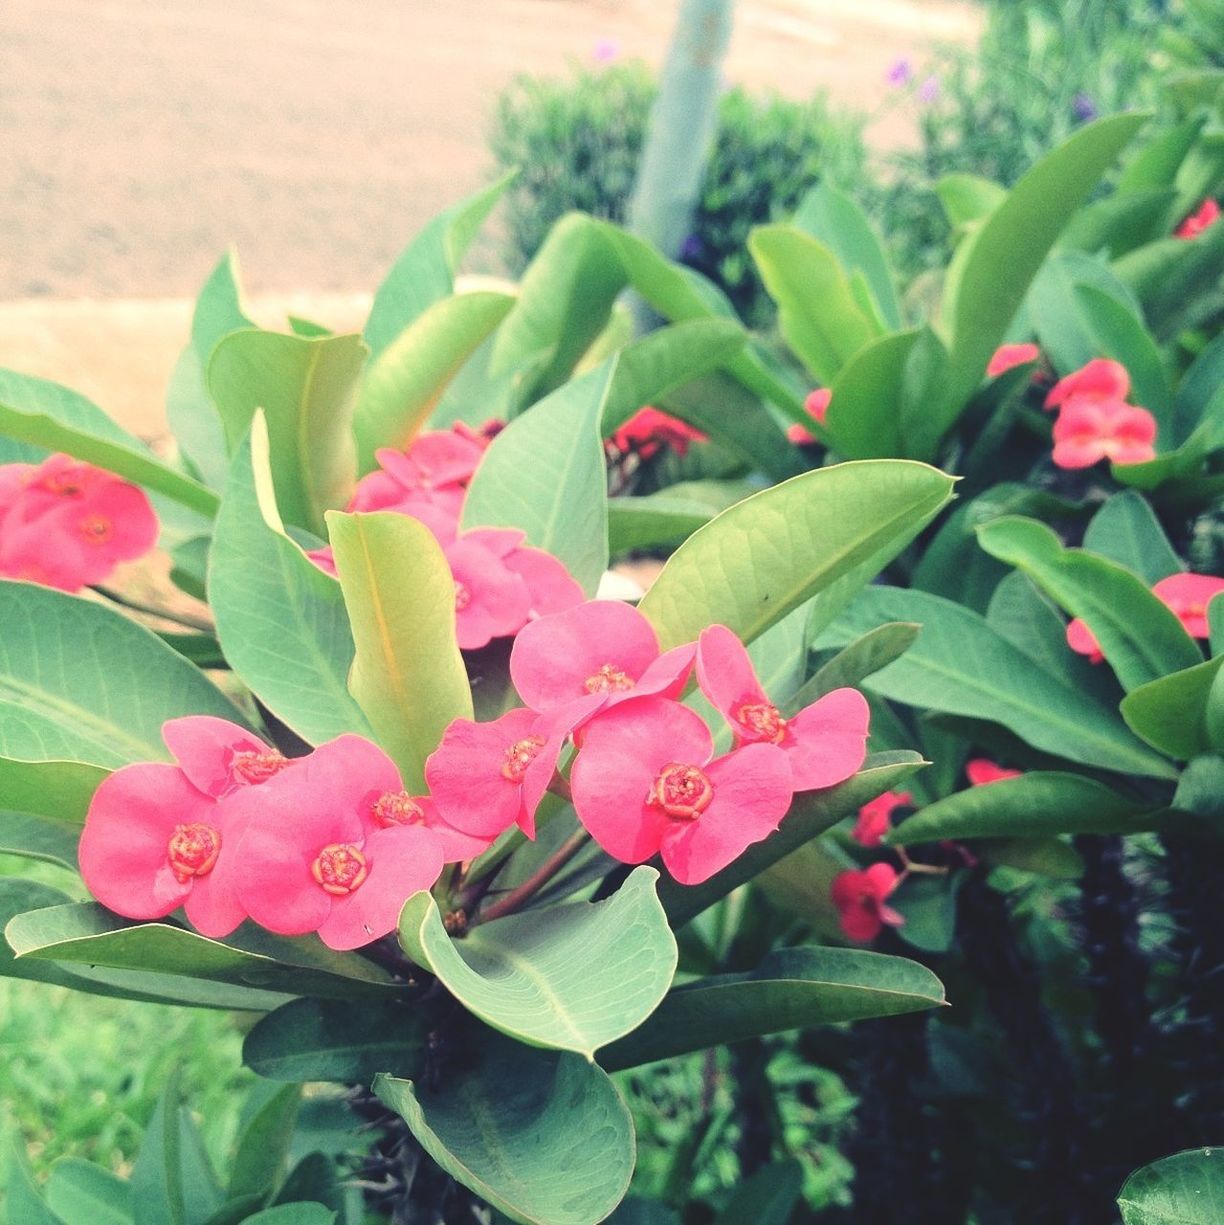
[1188,596]
[825,743]
[1083,641]
[860,899]
[648,431]
[68,525]
[152,843]
[605,51]
[875,817]
[1007,357]
[1100,381]
[644,784]
[219,757]
[550,586]
[325,559]
[486,777]
[980,771]
[1088,431]
[1205,215]
[817,406]
[600,649]
[900,72]
[314,853]
[491,601]
[435,469]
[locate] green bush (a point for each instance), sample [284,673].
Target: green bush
[576,142]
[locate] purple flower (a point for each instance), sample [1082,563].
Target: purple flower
[1083,107]
[928,91]
[692,248]
[605,51]
[900,72]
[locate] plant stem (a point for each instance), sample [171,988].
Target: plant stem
[151,610]
[538,879]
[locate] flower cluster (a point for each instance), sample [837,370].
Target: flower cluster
[1095,422]
[1186,595]
[67,524]
[500,582]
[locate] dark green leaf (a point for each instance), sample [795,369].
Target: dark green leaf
[1125,530]
[852,664]
[23,1203]
[263,1145]
[81,1191]
[1185,1189]
[1172,712]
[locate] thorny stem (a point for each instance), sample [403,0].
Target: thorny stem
[538,879]
[151,610]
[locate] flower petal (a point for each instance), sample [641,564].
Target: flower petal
[826,742]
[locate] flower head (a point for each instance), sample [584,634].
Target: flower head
[900,72]
[605,50]
[1088,431]
[152,843]
[875,818]
[218,756]
[1101,381]
[1007,357]
[644,784]
[649,431]
[861,901]
[67,524]
[435,469]
[825,742]
[1188,595]
[550,586]
[817,406]
[1083,107]
[1083,641]
[313,854]
[980,771]
[1205,215]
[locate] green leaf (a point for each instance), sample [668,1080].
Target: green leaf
[817,312]
[83,683]
[571,977]
[88,934]
[307,390]
[992,272]
[1127,531]
[811,814]
[81,1191]
[864,419]
[1035,805]
[967,198]
[876,649]
[280,619]
[37,837]
[1171,713]
[1139,635]
[553,1143]
[23,1203]
[961,666]
[293,1214]
[1173,280]
[408,676]
[406,380]
[792,988]
[658,519]
[425,272]
[47,415]
[58,789]
[767,1198]
[545,474]
[319,1040]
[752,564]
[1185,1189]
[836,220]
[263,1146]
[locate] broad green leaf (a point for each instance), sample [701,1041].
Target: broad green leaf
[262,1155]
[425,272]
[280,619]
[293,1214]
[406,380]
[961,666]
[763,557]
[1185,1189]
[88,934]
[1200,790]
[865,415]
[792,988]
[1170,713]
[1199,389]
[1157,161]
[43,413]
[81,1191]
[817,312]
[81,683]
[565,299]
[58,789]
[928,906]
[1139,635]
[545,474]
[1183,462]
[307,390]
[1119,223]
[319,1040]
[967,198]
[767,1198]
[1173,280]
[836,220]
[811,814]
[571,977]
[1127,531]
[1213,714]
[33,836]
[407,675]
[992,274]
[191,413]
[658,519]
[23,1203]
[876,649]
[554,1144]
[1035,805]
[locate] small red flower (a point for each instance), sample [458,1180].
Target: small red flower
[1088,431]
[648,431]
[825,743]
[1102,380]
[817,406]
[1083,641]
[66,524]
[861,897]
[875,818]
[152,843]
[1007,357]
[1205,215]
[980,771]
